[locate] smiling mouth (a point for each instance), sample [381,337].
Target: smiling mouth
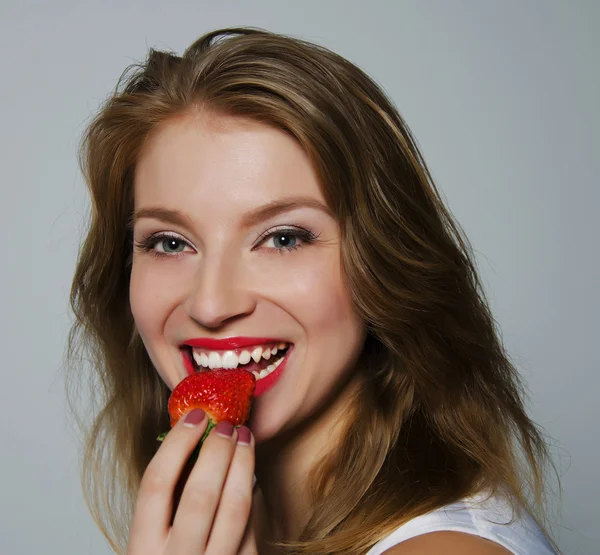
[214,361]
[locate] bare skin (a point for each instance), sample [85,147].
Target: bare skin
[213,512]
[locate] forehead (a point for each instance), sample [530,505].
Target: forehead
[199,160]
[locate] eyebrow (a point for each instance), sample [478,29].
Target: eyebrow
[251,218]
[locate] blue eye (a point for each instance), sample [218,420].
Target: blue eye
[171,242]
[284,240]
[288,239]
[167,243]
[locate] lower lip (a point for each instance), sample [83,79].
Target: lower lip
[263,385]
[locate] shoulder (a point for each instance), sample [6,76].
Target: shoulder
[449,543]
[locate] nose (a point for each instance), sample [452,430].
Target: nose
[218,294]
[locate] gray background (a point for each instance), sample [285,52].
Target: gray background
[502,97]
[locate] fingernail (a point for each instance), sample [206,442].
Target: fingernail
[194,417]
[244,435]
[224,428]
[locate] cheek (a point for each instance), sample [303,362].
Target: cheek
[149,299]
[150,303]
[334,328]
[313,291]
[141,308]
[325,295]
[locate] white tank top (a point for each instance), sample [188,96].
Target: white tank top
[473,515]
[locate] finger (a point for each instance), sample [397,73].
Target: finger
[200,498]
[152,515]
[236,500]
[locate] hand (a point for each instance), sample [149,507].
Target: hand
[212,517]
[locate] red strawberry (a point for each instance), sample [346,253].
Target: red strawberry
[222,394]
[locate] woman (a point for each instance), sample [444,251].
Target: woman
[263,189]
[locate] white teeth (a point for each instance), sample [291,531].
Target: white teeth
[256,354]
[266,371]
[214,360]
[198,358]
[244,358]
[230,360]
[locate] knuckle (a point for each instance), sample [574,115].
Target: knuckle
[237,508]
[238,495]
[154,480]
[199,496]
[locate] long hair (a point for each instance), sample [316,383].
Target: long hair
[440,413]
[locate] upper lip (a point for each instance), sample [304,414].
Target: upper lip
[230,342]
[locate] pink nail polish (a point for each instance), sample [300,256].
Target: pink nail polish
[244,436]
[224,428]
[194,417]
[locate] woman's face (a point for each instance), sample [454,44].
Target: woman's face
[217,267]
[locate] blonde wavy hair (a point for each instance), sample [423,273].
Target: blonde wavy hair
[441,411]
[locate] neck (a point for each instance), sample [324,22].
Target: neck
[284,463]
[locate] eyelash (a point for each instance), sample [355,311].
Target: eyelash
[147,244]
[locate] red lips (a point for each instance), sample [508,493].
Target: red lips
[231,342]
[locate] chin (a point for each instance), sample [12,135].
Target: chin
[263,428]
